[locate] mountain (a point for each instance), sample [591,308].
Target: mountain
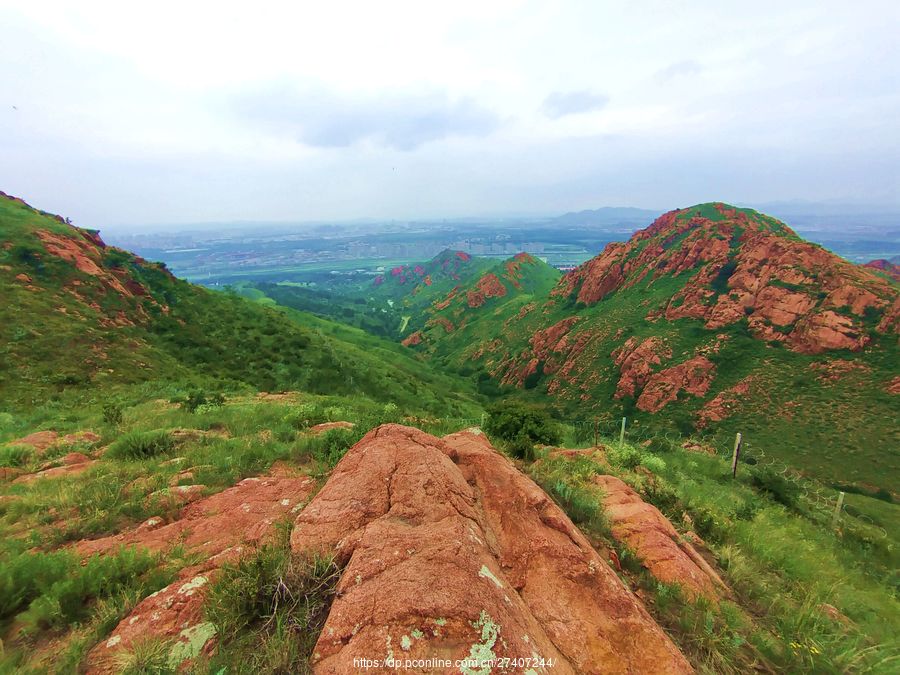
[712,320]
[607,215]
[81,316]
[145,531]
[889,267]
[415,286]
[514,281]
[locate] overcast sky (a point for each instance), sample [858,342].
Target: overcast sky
[122,114]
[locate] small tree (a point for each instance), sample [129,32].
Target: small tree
[519,426]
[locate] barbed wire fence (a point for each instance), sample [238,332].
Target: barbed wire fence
[823,504]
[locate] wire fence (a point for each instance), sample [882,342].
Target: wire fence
[823,504]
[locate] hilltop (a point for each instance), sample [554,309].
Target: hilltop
[710,321]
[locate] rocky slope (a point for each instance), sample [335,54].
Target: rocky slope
[512,281]
[713,318]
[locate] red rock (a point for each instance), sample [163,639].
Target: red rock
[693,377]
[24,278]
[894,386]
[73,458]
[222,527]
[636,360]
[647,532]
[771,277]
[8,473]
[56,472]
[320,429]
[238,514]
[724,403]
[892,269]
[488,286]
[514,577]
[39,440]
[412,339]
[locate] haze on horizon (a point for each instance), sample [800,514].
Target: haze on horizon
[119,115]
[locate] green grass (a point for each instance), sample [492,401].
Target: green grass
[779,554]
[269,608]
[141,445]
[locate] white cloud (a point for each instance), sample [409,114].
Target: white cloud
[344,109]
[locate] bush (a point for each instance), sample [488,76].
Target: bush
[141,445]
[305,415]
[519,426]
[269,608]
[113,413]
[56,588]
[199,398]
[15,455]
[625,456]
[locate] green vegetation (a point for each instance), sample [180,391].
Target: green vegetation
[170,377]
[519,426]
[784,564]
[141,445]
[268,609]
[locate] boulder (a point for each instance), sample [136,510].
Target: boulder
[221,527]
[667,555]
[451,553]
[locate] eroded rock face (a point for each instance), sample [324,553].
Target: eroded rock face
[692,377]
[647,532]
[636,360]
[450,552]
[222,527]
[743,264]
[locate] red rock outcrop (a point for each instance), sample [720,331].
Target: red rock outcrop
[743,264]
[221,527]
[488,286]
[213,524]
[886,266]
[666,555]
[724,403]
[693,377]
[636,360]
[510,575]
[320,429]
[412,339]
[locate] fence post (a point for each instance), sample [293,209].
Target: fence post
[622,433]
[737,453]
[596,432]
[837,510]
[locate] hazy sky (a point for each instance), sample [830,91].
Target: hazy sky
[121,113]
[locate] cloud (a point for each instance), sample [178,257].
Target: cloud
[402,121]
[678,69]
[560,103]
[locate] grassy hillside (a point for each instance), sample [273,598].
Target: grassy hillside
[81,318]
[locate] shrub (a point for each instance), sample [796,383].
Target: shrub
[141,445]
[625,456]
[199,398]
[305,415]
[269,608]
[519,426]
[775,486]
[113,413]
[56,587]
[15,455]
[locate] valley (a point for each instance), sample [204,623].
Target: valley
[265,476]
